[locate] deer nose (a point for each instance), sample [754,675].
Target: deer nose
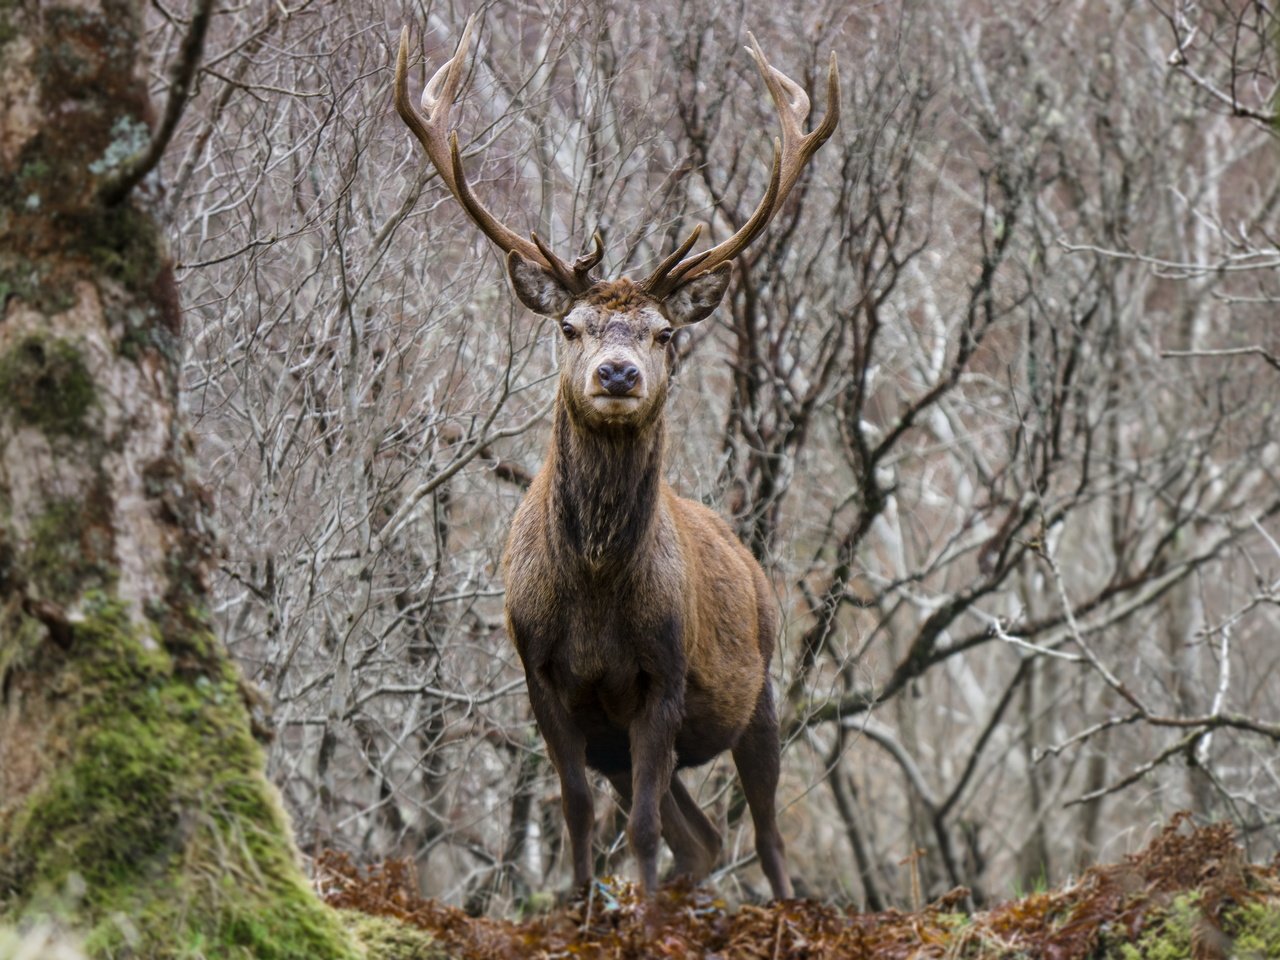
[618,378]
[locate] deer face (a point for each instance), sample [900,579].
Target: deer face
[615,361]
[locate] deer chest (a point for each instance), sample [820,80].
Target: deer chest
[602,657]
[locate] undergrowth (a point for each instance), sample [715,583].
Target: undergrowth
[1190,895]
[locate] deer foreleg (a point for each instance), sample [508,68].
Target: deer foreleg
[653,735]
[568,750]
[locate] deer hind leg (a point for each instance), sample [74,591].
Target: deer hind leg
[756,756]
[697,846]
[693,839]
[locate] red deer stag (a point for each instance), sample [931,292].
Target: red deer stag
[645,628]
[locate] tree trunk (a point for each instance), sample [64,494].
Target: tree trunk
[132,798]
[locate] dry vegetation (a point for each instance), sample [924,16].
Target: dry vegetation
[1188,893]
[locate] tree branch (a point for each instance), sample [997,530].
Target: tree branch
[115,187]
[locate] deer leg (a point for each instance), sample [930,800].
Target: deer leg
[652,764]
[693,839]
[568,750]
[700,842]
[756,756]
[579,811]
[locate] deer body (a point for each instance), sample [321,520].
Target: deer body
[664,598]
[645,629]
[644,626]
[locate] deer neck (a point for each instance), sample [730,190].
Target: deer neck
[605,485]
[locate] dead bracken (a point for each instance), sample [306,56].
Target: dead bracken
[1189,893]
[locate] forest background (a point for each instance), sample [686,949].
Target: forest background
[994,401]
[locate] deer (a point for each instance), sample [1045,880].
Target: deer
[645,628]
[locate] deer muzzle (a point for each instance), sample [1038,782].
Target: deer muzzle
[618,379]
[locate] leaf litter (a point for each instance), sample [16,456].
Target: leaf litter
[1189,893]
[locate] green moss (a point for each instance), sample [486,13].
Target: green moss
[30,282]
[1248,932]
[44,382]
[158,814]
[125,243]
[50,244]
[1255,930]
[71,547]
[385,938]
[23,642]
[1169,937]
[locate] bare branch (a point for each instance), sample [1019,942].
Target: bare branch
[113,188]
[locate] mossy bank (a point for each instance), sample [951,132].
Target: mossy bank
[155,834]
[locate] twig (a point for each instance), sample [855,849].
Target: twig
[1068,611]
[1139,772]
[115,187]
[1270,358]
[1240,263]
[1087,733]
[471,700]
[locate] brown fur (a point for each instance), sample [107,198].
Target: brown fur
[645,627]
[616,295]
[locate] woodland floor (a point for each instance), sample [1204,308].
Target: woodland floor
[1189,894]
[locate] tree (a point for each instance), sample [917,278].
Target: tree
[935,405]
[132,795]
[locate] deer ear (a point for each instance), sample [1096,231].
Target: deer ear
[694,299]
[537,289]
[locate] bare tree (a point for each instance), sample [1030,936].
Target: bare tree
[1022,537]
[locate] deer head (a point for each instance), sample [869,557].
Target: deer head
[616,361]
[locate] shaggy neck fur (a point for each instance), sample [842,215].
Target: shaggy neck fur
[604,493]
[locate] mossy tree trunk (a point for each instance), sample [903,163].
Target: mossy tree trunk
[133,805]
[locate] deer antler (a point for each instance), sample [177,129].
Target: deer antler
[789,158]
[431,127]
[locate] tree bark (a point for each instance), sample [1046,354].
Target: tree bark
[132,798]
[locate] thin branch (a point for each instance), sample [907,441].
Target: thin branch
[114,188]
[471,700]
[1139,772]
[1270,358]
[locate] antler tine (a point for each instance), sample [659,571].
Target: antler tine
[789,158]
[583,266]
[566,277]
[448,77]
[658,278]
[441,144]
[793,109]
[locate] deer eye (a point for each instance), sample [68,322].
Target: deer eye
[569,330]
[664,336]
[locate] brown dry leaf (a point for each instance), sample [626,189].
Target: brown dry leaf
[684,922]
